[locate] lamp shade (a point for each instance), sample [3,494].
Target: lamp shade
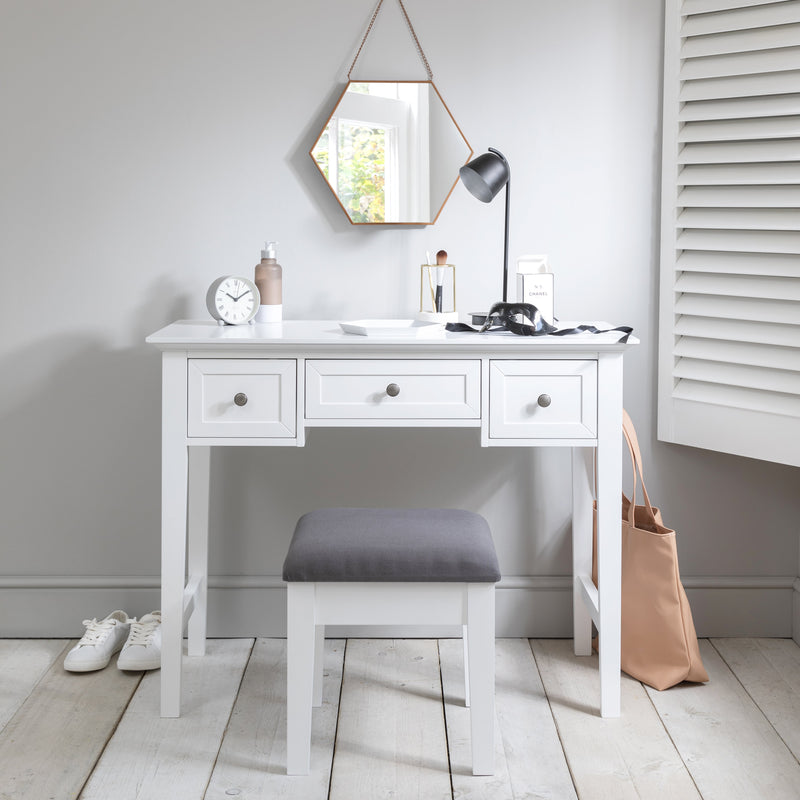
[486,175]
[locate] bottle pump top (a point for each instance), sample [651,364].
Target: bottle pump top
[269,250]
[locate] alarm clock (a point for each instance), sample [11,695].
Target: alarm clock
[232,300]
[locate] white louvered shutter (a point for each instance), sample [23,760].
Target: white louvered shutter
[729,338]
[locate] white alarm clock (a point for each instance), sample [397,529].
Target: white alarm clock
[232,300]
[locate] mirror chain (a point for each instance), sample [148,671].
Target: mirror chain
[410,28]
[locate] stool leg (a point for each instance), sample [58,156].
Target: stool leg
[319,658]
[480,644]
[465,640]
[300,637]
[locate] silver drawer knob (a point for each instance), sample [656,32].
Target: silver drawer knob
[544,400]
[393,390]
[240,398]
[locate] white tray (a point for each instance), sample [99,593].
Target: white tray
[396,328]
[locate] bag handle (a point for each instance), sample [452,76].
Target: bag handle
[629,432]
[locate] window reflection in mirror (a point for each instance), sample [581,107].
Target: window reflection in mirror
[391,152]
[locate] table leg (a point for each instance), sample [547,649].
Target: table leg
[582,495]
[199,475]
[609,546]
[174,486]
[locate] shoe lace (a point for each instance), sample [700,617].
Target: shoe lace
[142,632]
[96,631]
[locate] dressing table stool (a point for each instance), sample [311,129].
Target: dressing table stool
[371,566]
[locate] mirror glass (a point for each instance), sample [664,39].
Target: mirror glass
[391,152]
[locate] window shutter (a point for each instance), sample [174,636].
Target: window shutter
[729,330]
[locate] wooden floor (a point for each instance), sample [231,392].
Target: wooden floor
[393,725]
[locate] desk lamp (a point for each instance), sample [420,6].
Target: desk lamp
[484,177]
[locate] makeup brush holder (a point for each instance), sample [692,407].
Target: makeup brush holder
[437,293]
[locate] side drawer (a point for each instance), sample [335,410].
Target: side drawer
[245,397]
[543,399]
[393,389]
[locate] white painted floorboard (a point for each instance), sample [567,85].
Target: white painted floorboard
[393,724]
[23,663]
[151,757]
[252,760]
[610,759]
[730,743]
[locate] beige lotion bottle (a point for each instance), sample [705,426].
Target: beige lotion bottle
[269,279]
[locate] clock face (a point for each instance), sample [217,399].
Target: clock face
[233,300]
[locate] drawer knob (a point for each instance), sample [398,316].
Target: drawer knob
[240,398]
[544,400]
[393,390]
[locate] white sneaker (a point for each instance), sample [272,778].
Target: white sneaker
[101,640]
[143,648]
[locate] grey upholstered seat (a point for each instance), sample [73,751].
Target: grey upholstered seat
[385,544]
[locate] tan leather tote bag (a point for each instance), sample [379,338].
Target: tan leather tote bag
[659,643]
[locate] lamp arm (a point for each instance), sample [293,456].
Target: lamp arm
[505,242]
[508,209]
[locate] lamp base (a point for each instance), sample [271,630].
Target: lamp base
[478,317]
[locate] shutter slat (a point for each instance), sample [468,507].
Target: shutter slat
[740,152]
[759,61]
[738,19]
[755,264]
[705,6]
[741,108]
[740,86]
[737,129]
[741,41]
[736,397]
[737,308]
[770,288]
[739,174]
[742,330]
[740,241]
[755,219]
[733,352]
[740,197]
[743,375]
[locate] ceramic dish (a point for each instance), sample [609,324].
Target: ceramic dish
[399,328]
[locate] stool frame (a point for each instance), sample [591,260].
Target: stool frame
[313,605]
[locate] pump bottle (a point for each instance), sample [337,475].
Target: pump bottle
[269,279]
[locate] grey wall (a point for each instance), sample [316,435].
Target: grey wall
[149,147]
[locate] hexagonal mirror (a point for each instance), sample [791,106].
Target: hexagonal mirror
[391,152]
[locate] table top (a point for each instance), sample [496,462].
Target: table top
[324,334]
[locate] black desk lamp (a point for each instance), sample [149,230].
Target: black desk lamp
[484,177]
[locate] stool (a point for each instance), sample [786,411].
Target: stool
[370,566]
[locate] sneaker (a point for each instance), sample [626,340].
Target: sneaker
[101,640]
[143,648]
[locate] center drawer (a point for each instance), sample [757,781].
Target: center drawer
[393,389]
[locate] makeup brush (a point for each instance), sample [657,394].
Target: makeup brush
[441,260]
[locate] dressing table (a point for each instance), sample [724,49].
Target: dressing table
[266,385]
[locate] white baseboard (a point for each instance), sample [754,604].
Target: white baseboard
[534,606]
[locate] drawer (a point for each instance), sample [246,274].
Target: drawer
[542,399]
[242,397]
[393,389]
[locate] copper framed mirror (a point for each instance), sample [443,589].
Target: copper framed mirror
[390,152]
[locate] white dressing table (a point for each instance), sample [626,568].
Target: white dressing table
[265,385]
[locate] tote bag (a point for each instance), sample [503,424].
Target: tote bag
[659,643]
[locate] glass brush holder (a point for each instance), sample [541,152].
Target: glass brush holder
[437,293]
